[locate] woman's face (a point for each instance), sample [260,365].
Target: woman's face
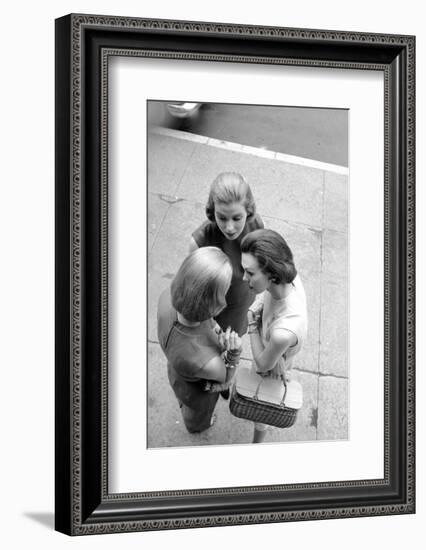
[230,218]
[257,280]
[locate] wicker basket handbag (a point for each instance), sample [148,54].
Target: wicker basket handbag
[263,399]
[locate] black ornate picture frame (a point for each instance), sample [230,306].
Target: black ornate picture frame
[84,43]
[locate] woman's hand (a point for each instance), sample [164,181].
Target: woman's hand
[208,386]
[215,387]
[251,317]
[232,340]
[228,340]
[233,348]
[278,371]
[220,337]
[256,309]
[254,316]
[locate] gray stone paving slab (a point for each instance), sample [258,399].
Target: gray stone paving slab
[334,304]
[334,325]
[171,247]
[158,281]
[167,161]
[157,209]
[165,424]
[163,409]
[332,408]
[335,253]
[336,207]
[166,427]
[295,201]
[308,358]
[280,189]
[283,190]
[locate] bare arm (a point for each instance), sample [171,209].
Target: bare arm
[266,357]
[219,371]
[214,370]
[215,387]
[257,306]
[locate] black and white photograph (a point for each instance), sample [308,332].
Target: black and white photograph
[248,247]
[231,253]
[211,236]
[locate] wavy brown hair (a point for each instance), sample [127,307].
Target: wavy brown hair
[229,187]
[272,254]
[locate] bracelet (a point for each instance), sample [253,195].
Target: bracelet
[232,357]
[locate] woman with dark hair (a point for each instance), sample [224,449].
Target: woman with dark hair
[277,323]
[200,356]
[231,214]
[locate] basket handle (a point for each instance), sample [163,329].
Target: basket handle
[256,393]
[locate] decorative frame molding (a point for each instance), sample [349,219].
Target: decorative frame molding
[84,43]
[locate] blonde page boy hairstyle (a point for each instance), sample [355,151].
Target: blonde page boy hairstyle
[229,187]
[199,288]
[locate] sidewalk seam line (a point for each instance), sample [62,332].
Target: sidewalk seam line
[304,371]
[250,150]
[185,170]
[320,297]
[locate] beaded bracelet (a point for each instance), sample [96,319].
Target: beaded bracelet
[232,357]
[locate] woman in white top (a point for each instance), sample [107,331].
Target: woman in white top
[278,318]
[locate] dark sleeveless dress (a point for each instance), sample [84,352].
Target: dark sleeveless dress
[188,350]
[239,296]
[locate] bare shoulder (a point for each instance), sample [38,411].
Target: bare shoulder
[214,369]
[215,362]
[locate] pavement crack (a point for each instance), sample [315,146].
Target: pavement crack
[314,417]
[330,375]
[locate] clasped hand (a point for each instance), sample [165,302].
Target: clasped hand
[277,372]
[228,340]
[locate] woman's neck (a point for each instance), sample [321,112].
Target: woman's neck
[281,291]
[185,322]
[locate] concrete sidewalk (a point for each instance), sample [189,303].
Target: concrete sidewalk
[309,207]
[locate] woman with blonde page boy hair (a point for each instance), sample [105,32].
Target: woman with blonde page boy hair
[277,322]
[200,357]
[231,214]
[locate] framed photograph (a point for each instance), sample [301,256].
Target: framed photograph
[234,274]
[292,194]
